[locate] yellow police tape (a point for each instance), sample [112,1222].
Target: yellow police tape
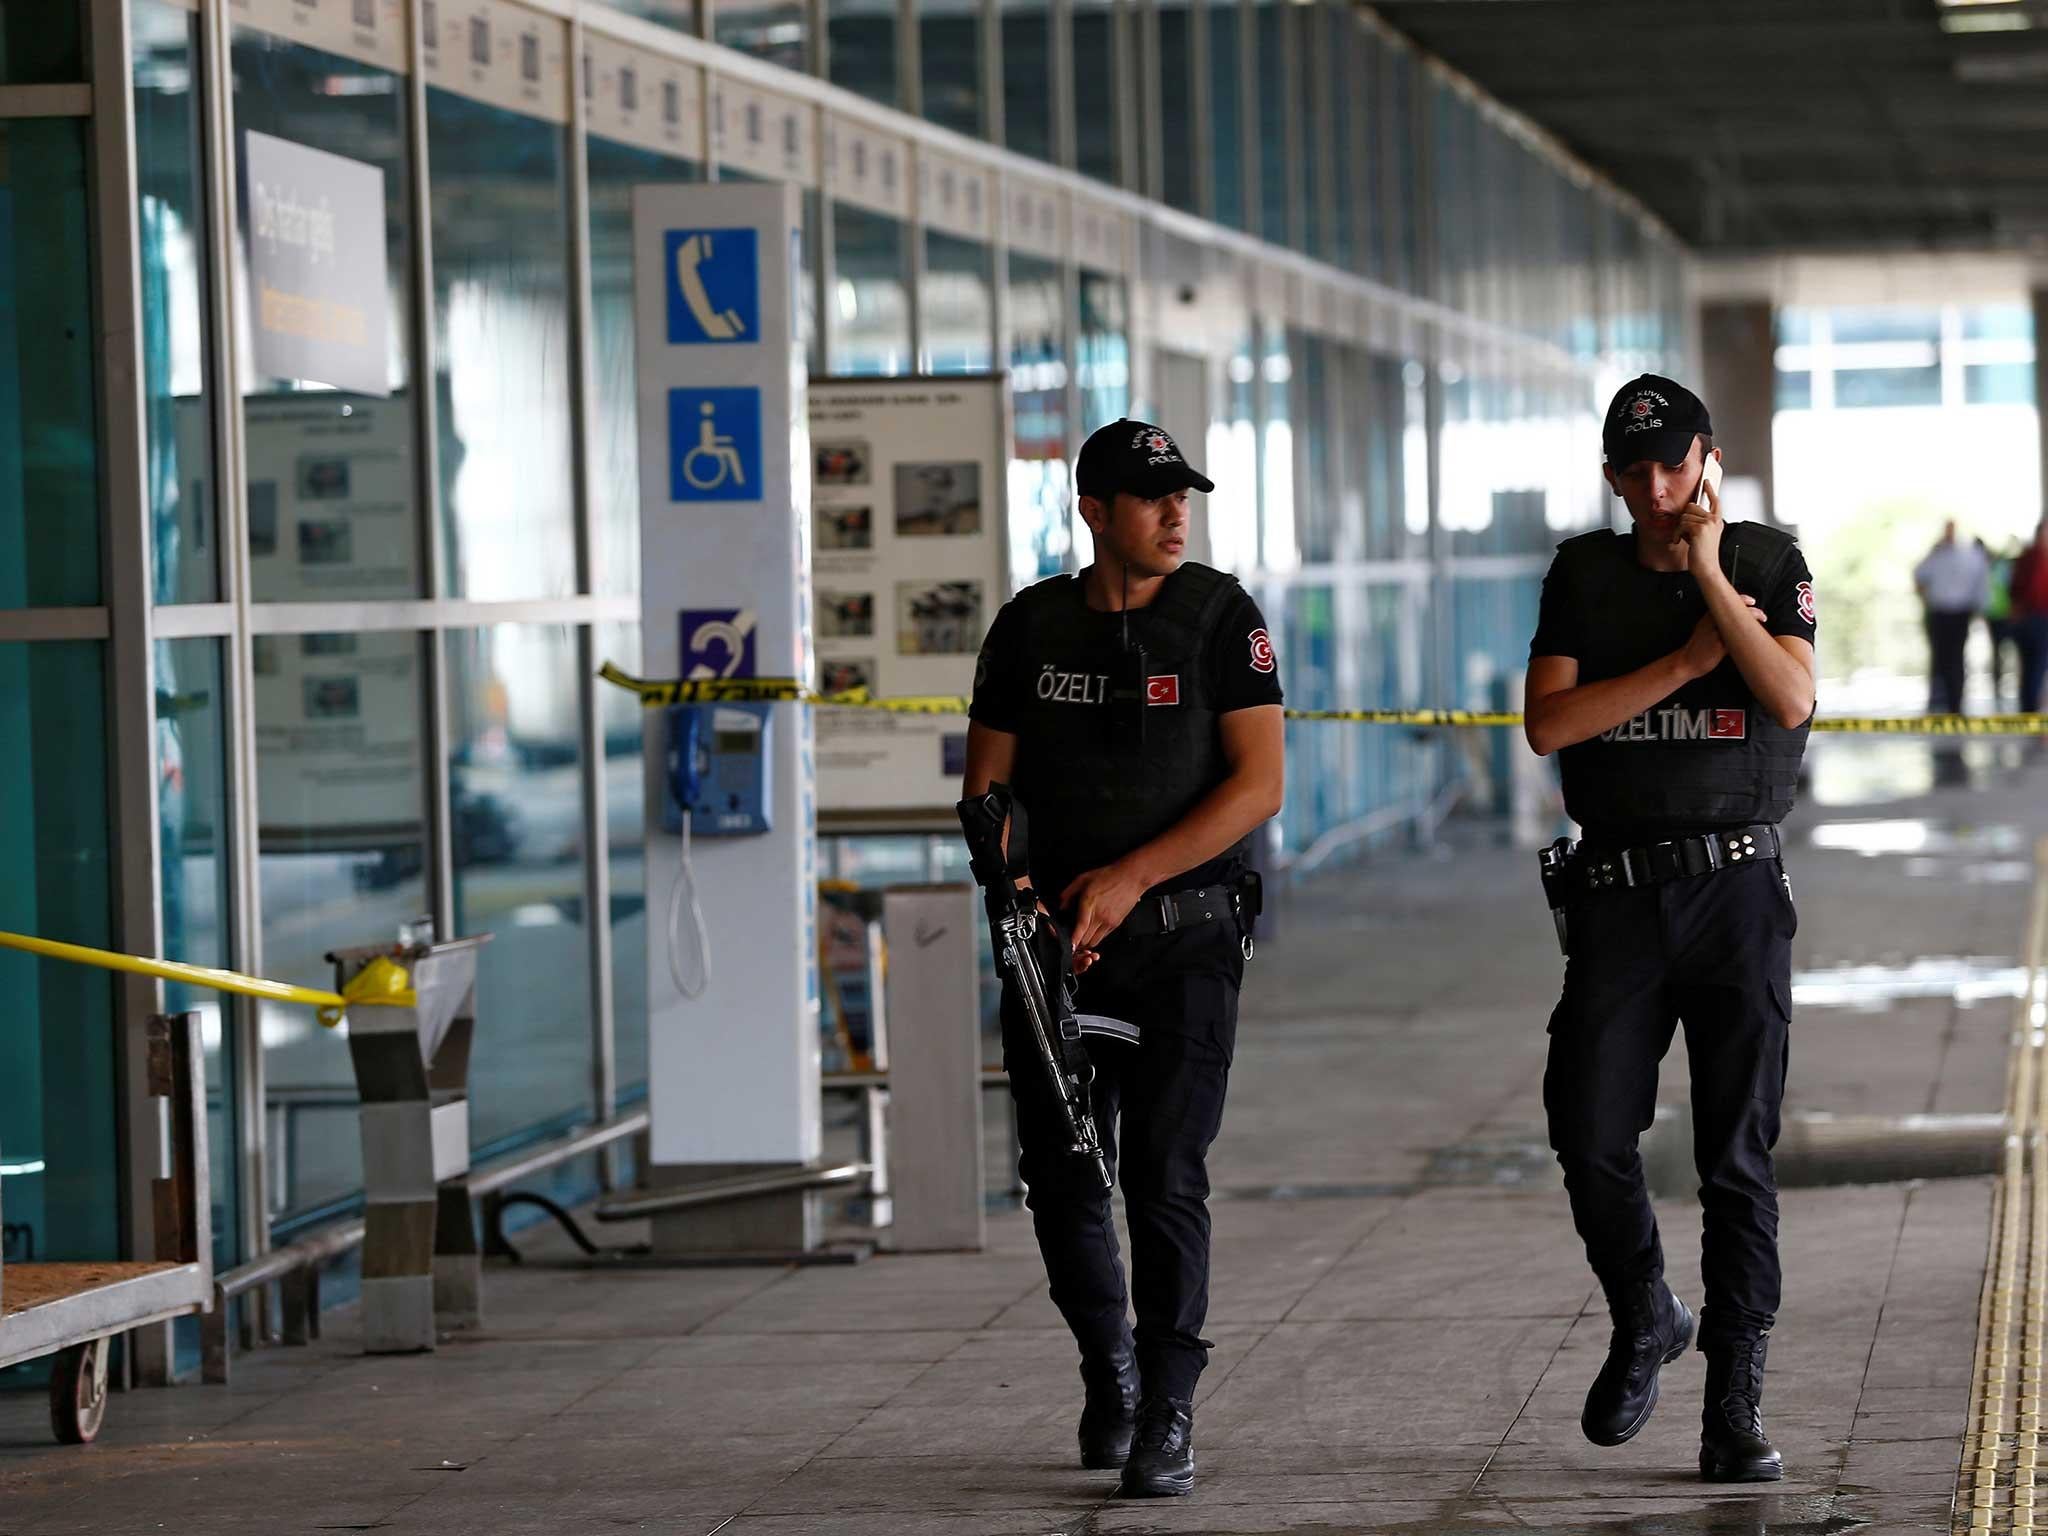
[757,690]
[380,983]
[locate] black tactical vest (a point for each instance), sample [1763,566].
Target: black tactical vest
[1115,746]
[1707,756]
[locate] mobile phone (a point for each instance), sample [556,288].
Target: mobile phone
[1710,480]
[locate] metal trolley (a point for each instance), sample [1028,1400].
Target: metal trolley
[73,1310]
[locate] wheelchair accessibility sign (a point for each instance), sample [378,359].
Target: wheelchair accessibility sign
[714,445]
[714,285]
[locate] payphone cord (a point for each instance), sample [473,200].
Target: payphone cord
[682,895]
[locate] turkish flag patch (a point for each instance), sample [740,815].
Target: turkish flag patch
[1807,606]
[1728,725]
[1262,651]
[1163,690]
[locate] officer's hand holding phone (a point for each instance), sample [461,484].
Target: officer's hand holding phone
[1700,524]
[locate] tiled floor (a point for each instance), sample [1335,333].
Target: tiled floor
[1404,1328]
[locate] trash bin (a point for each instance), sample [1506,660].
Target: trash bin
[420,1254]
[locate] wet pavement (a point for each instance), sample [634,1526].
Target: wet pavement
[1404,1326]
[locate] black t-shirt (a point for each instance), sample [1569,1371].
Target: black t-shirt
[1643,615]
[1239,668]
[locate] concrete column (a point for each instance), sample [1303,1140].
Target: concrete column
[1738,380]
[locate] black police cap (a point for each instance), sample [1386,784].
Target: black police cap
[1137,457]
[1652,417]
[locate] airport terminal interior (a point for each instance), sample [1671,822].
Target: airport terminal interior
[500,501]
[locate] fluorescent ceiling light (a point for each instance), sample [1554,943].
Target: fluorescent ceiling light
[1995,21]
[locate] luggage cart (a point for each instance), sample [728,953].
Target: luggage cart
[74,1310]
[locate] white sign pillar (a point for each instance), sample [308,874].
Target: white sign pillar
[724,539]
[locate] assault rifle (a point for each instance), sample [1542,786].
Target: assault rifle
[1026,939]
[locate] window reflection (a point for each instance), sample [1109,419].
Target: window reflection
[1103,355]
[1027,77]
[40,45]
[1354,96]
[1039,511]
[1315,517]
[959,305]
[49,465]
[501,326]
[767,29]
[1178,128]
[1098,82]
[1275,102]
[871,329]
[516,786]
[57,1071]
[949,53]
[619,718]
[1234,466]
[171,234]
[615,169]
[1277,528]
[341,807]
[332,488]
[1306,36]
[1405,265]
[192,818]
[863,52]
[1227,37]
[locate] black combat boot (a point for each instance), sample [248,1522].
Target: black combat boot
[1109,1417]
[1733,1447]
[1651,1328]
[1163,1454]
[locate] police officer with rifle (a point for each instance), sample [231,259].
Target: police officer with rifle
[1133,713]
[1672,672]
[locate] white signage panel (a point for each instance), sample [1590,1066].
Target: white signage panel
[909,541]
[316,265]
[724,551]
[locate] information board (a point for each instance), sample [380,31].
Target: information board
[908,559]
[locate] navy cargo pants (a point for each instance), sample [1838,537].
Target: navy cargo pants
[1158,1105]
[1713,952]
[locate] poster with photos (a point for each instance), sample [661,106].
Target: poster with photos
[909,563]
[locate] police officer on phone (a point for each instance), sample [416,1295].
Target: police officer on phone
[1672,672]
[1135,711]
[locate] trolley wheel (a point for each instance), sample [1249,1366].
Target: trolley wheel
[78,1392]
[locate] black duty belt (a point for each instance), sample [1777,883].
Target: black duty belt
[1596,869]
[1171,910]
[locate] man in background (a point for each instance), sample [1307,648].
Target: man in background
[1953,582]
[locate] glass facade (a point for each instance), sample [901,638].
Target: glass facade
[412,669]
[192,832]
[49,486]
[332,484]
[515,771]
[171,231]
[1028,77]
[862,48]
[341,807]
[871,333]
[56,1070]
[949,40]
[501,340]
[958,305]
